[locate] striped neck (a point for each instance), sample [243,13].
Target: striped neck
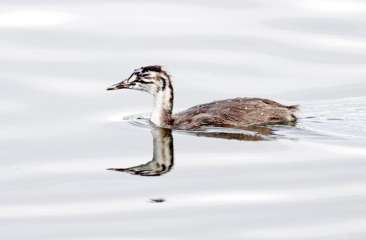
[163,104]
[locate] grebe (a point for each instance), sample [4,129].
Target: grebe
[241,113]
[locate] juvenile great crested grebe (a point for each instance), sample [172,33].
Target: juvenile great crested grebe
[241,113]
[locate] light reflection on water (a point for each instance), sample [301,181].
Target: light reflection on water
[61,130]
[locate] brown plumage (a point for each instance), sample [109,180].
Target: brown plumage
[242,113]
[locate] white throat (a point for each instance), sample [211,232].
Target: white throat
[163,106]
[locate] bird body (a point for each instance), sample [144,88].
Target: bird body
[235,113]
[239,113]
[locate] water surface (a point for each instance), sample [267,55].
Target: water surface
[61,130]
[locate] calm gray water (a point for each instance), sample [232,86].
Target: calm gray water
[60,129]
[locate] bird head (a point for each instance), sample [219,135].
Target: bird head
[150,79]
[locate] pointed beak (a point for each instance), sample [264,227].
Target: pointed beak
[120,85]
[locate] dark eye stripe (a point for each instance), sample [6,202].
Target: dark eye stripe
[144,82]
[131,76]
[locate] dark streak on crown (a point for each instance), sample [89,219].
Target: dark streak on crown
[152,68]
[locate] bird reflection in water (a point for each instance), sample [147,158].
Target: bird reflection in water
[163,156]
[163,149]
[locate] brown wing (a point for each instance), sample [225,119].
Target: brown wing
[235,113]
